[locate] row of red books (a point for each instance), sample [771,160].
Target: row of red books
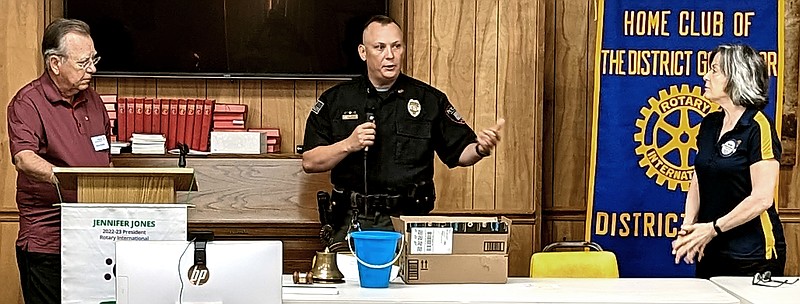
[185,121]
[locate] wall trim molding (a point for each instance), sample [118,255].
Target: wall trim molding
[9,216]
[789,215]
[564,214]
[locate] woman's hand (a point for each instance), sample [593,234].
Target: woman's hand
[691,241]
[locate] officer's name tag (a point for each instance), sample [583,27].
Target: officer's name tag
[100,142]
[351,116]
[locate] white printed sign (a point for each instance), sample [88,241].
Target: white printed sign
[88,233]
[431,240]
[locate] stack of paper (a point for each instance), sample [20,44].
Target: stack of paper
[116,146]
[148,143]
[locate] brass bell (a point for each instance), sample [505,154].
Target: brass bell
[324,268]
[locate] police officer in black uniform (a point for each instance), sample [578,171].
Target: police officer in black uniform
[377,134]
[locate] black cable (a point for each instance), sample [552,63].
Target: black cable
[180,276]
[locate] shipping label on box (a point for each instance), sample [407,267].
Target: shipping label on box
[431,241]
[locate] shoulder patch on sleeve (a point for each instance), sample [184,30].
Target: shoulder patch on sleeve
[454,115]
[317,106]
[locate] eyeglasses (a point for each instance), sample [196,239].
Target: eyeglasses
[85,63]
[765,279]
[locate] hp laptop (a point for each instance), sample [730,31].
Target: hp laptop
[229,272]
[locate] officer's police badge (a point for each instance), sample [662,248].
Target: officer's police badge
[414,107]
[729,147]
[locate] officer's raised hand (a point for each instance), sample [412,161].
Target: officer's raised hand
[488,138]
[363,136]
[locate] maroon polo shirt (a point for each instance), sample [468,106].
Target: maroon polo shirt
[40,120]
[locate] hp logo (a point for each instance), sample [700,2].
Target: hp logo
[198,275]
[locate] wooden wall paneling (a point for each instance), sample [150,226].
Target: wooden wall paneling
[224,91]
[453,72]
[305,96]
[485,98]
[278,104]
[784,176]
[136,87]
[591,48]
[549,106]
[572,97]
[397,10]
[562,230]
[9,275]
[180,88]
[418,39]
[520,72]
[791,55]
[53,9]
[789,194]
[520,249]
[21,27]
[105,85]
[792,234]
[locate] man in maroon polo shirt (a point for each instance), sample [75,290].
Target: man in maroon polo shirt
[56,120]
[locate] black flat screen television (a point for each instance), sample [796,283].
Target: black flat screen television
[227,38]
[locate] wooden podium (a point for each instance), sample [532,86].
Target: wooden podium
[126,185]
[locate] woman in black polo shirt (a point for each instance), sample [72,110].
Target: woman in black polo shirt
[731,225]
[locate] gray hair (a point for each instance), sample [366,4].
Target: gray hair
[746,71]
[53,39]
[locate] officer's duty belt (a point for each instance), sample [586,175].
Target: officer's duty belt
[371,203]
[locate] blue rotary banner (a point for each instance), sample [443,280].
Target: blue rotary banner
[650,58]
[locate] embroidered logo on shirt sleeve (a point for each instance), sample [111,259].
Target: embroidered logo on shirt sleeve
[317,107]
[454,115]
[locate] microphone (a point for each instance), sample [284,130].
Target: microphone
[370,118]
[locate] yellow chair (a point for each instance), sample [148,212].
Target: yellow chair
[574,264]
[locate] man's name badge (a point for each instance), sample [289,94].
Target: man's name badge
[350,115]
[100,142]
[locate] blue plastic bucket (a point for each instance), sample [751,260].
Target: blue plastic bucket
[375,252]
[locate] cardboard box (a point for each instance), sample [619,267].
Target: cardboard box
[470,235]
[454,268]
[441,249]
[238,142]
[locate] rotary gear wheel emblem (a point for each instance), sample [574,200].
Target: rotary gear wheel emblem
[667,132]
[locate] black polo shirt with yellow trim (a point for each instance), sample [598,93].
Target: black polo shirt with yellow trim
[723,175]
[412,119]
